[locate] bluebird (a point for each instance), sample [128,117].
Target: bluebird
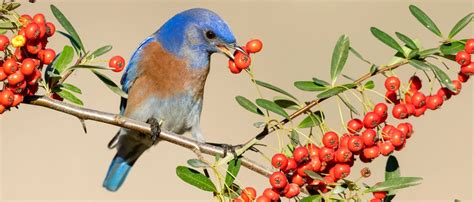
[165,84]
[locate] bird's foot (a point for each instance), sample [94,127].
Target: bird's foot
[155,127]
[227,148]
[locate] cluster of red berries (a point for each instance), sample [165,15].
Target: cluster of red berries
[366,138]
[242,60]
[20,71]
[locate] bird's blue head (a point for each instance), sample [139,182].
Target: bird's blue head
[195,34]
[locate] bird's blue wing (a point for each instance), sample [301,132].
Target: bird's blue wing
[131,70]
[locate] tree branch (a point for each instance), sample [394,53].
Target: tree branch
[118,120]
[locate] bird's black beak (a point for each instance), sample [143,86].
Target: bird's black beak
[226,49]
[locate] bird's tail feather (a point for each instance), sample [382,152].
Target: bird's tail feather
[117,173]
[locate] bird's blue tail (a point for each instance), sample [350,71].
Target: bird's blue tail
[117,173]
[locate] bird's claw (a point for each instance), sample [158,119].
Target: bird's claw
[155,129]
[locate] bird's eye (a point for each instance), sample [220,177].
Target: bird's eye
[210,34]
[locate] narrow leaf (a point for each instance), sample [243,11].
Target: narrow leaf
[395,183]
[451,48]
[320,82]
[419,65]
[232,171]
[392,169]
[100,51]
[428,52]
[358,55]
[273,107]
[70,97]
[294,138]
[195,178]
[248,105]
[309,86]
[63,59]
[73,42]
[335,90]
[339,56]
[71,88]
[110,84]
[8,25]
[369,85]
[313,198]
[373,69]
[442,77]
[86,67]
[407,40]
[348,105]
[425,20]
[274,88]
[12,6]
[196,163]
[313,175]
[460,25]
[312,120]
[386,39]
[285,103]
[67,25]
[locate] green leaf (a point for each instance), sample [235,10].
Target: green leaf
[67,26]
[195,178]
[452,48]
[349,105]
[369,85]
[196,163]
[442,77]
[309,86]
[63,59]
[312,120]
[100,51]
[407,40]
[248,105]
[386,39]
[358,55]
[339,189]
[285,103]
[419,65]
[8,25]
[335,90]
[392,169]
[274,88]
[314,175]
[428,52]
[273,107]
[425,20]
[3,31]
[339,56]
[294,138]
[12,6]
[313,198]
[320,82]
[73,42]
[232,171]
[86,67]
[71,88]
[373,69]
[460,25]
[395,183]
[110,84]
[70,97]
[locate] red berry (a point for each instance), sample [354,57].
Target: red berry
[354,125]
[392,83]
[248,194]
[2,109]
[47,56]
[375,200]
[33,78]
[445,93]
[302,168]
[300,154]
[463,77]
[341,171]
[355,144]
[371,120]
[381,110]
[39,18]
[344,140]
[50,29]
[330,139]
[420,111]
[4,42]
[418,99]
[6,98]
[233,68]
[242,61]
[34,47]
[278,180]
[415,82]
[254,46]
[291,166]
[406,129]
[271,194]
[468,69]
[469,48]
[312,149]
[17,99]
[458,86]
[410,109]
[15,78]
[280,161]
[463,58]
[379,194]
[293,191]
[343,155]
[3,75]
[391,97]
[434,102]
[326,154]
[42,29]
[32,31]
[315,163]
[297,179]
[117,63]
[262,199]
[397,138]
[10,66]
[386,148]
[27,66]
[399,111]
[371,152]
[368,137]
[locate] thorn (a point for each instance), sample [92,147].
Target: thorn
[83,125]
